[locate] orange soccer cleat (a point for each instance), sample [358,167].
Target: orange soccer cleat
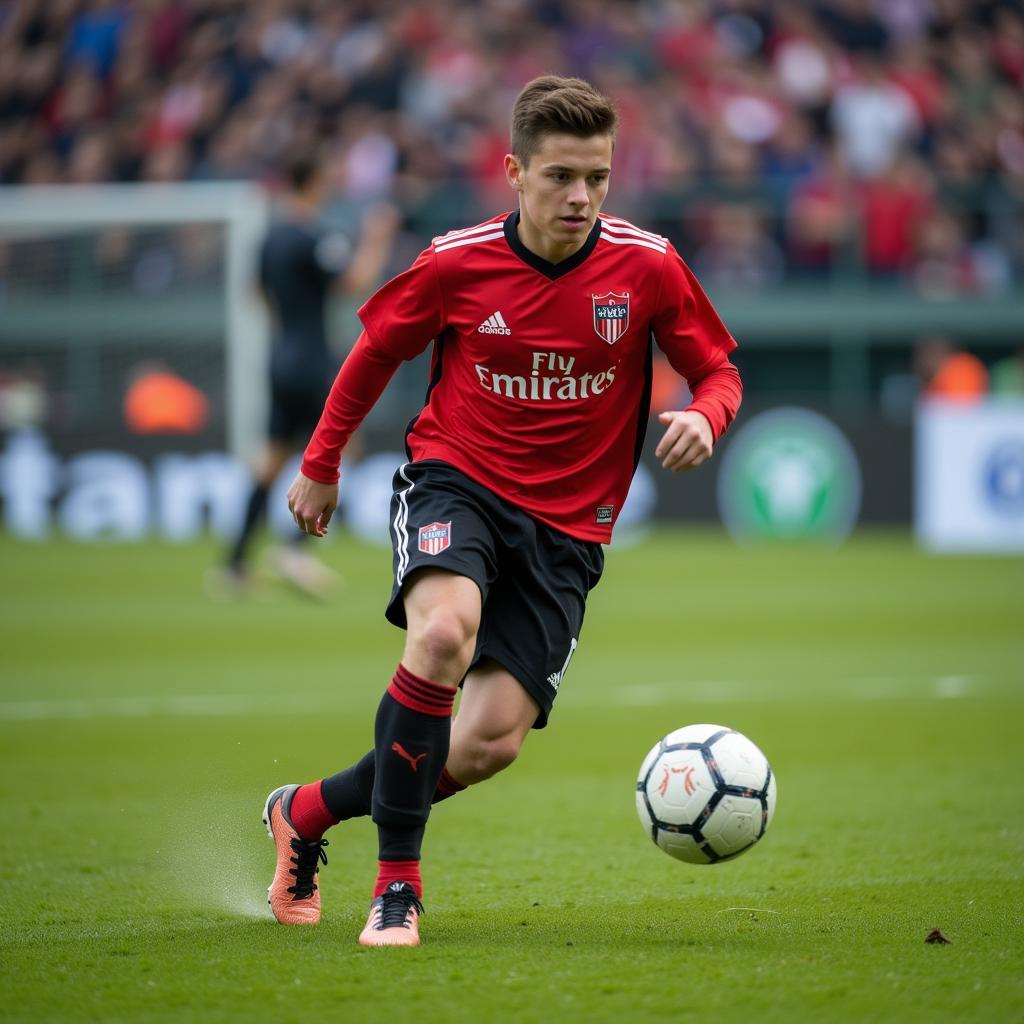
[394,918]
[293,895]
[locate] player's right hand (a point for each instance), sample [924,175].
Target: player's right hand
[312,504]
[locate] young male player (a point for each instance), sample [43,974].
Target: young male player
[542,323]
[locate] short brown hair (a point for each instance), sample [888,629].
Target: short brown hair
[566,106]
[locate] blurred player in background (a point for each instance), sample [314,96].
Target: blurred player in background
[520,462]
[300,265]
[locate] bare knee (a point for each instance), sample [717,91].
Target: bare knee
[483,757]
[440,644]
[443,614]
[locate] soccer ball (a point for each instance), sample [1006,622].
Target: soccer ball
[705,793]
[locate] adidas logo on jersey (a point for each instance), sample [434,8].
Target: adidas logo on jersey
[494,324]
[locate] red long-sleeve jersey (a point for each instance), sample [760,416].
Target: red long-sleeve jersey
[541,372]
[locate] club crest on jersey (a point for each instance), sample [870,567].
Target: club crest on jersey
[435,538]
[611,315]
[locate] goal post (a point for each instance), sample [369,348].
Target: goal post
[94,276]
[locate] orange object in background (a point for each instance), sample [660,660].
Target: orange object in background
[668,389]
[960,377]
[948,372]
[159,402]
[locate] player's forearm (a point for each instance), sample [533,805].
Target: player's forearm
[360,382]
[717,396]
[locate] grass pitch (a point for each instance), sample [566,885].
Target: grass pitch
[142,724]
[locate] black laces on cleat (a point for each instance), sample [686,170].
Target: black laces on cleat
[396,902]
[308,856]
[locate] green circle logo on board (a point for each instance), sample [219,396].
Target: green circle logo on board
[789,474]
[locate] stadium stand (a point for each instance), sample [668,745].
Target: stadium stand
[768,140]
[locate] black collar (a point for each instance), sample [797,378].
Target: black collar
[553,271]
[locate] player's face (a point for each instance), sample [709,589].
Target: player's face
[561,189]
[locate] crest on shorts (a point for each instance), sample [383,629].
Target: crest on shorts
[435,538]
[611,315]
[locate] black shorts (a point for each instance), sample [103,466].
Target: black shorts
[295,408]
[533,579]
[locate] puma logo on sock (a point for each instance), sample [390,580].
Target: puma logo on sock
[403,753]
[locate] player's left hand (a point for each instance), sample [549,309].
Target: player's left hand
[688,441]
[312,504]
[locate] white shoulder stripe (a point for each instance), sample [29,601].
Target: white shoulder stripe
[623,228]
[465,232]
[445,243]
[621,222]
[475,230]
[618,229]
[633,241]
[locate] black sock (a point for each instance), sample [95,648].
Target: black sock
[412,732]
[254,512]
[349,794]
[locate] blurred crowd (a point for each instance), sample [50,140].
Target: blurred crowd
[767,139]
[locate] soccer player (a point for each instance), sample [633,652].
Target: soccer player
[542,323]
[300,265]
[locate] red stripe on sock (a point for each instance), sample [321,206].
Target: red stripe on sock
[417,693]
[389,871]
[406,700]
[309,813]
[424,687]
[437,689]
[420,695]
[448,784]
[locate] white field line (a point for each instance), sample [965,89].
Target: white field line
[176,706]
[952,686]
[638,695]
[729,691]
